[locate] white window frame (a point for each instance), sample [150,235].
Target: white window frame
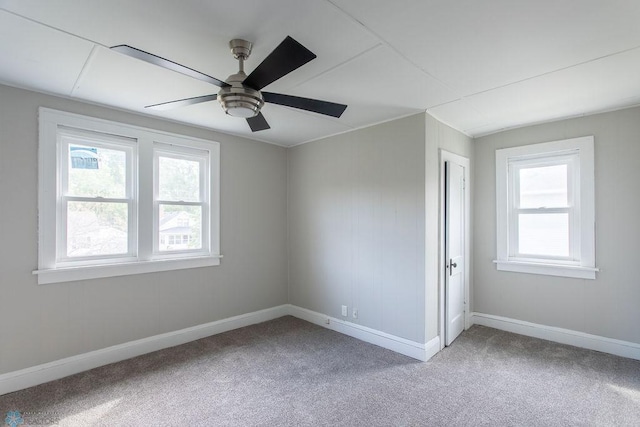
[139,143]
[64,138]
[571,159]
[186,153]
[578,154]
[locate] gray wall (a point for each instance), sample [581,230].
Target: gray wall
[39,324]
[607,306]
[356,226]
[360,206]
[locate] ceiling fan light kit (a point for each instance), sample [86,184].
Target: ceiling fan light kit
[240,95]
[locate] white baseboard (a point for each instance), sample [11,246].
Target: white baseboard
[409,348]
[46,372]
[560,335]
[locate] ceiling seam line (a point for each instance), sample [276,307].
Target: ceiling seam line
[466,97]
[343,63]
[54,28]
[460,96]
[554,71]
[393,48]
[83,71]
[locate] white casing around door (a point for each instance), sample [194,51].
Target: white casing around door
[454,250]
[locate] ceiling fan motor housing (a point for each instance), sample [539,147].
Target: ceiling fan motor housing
[238,100]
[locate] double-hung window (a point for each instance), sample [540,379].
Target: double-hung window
[96,210]
[181,198]
[545,208]
[117,199]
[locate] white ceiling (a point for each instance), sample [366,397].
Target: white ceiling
[479,66]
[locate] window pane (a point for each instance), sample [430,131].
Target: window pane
[97,172]
[544,234]
[182,225]
[96,228]
[179,179]
[543,187]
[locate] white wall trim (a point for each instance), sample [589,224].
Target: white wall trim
[35,375]
[560,335]
[400,345]
[547,269]
[46,372]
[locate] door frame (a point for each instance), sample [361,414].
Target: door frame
[446,156]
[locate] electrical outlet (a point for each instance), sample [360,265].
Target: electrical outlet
[345,311]
[354,313]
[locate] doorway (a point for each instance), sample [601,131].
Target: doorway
[454,246]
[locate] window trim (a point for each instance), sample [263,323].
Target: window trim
[584,209]
[51,270]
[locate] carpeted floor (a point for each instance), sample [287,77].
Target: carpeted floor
[290,372]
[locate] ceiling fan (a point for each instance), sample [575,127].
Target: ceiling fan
[240,95]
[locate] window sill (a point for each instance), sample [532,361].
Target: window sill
[68,274]
[577,272]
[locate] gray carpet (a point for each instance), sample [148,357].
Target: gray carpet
[290,372]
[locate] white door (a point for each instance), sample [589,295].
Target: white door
[454,250]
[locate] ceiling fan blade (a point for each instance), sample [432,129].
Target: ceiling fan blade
[165,63]
[288,56]
[258,123]
[182,102]
[315,105]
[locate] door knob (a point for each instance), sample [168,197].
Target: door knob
[452,265]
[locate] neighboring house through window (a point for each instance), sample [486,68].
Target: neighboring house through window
[176,232]
[545,208]
[117,199]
